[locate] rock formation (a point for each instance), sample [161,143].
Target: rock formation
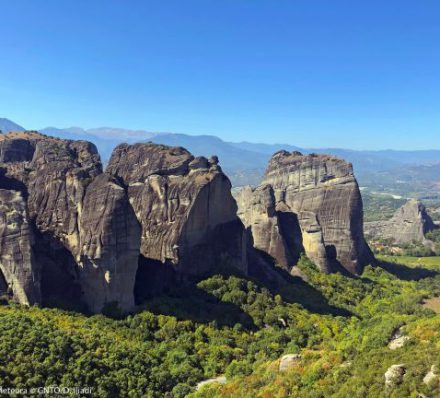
[432,378]
[184,206]
[18,269]
[109,245]
[289,361]
[409,224]
[82,234]
[308,204]
[394,375]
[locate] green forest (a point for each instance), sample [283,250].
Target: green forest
[231,326]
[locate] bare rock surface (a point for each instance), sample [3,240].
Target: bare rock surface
[89,231]
[220,380]
[409,224]
[432,377]
[18,269]
[288,361]
[184,205]
[110,238]
[394,375]
[398,340]
[309,203]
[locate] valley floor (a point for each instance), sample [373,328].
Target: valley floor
[341,328]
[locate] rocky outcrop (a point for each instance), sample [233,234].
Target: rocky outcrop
[394,375]
[432,378]
[184,206]
[219,379]
[289,361]
[409,224]
[18,269]
[308,204]
[398,339]
[266,224]
[91,231]
[109,245]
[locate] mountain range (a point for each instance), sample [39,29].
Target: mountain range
[406,173]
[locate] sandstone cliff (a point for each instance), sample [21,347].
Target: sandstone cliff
[184,205]
[83,234]
[409,224]
[18,268]
[307,203]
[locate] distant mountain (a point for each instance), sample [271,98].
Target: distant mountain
[7,125]
[105,138]
[234,160]
[268,149]
[406,173]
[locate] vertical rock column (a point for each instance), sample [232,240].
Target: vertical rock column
[17,262]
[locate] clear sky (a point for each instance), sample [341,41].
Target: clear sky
[361,74]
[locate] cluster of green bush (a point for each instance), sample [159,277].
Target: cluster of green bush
[386,246]
[227,325]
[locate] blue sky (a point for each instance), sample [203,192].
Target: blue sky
[317,73]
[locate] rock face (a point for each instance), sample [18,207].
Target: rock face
[110,238]
[18,269]
[409,224]
[81,234]
[184,206]
[307,203]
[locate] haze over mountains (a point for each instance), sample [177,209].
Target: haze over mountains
[405,173]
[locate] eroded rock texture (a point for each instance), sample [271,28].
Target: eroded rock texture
[19,272]
[53,176]
[185,208]
[89,232]
[409,224]
[307,203]
[109,245]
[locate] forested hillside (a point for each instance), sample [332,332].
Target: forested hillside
[340,326]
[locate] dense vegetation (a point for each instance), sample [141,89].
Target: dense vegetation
[386,246]
[341,326]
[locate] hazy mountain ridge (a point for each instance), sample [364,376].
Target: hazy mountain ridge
[245,162]
[7,125]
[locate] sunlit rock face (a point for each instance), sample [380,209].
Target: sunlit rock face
[71,232]
[20,274]
[409,224]
[311,203]
[110,238]
[184,206]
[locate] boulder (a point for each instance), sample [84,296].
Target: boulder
[398,340]
[432,377]
[220,380]
[288,361]
[394,375]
